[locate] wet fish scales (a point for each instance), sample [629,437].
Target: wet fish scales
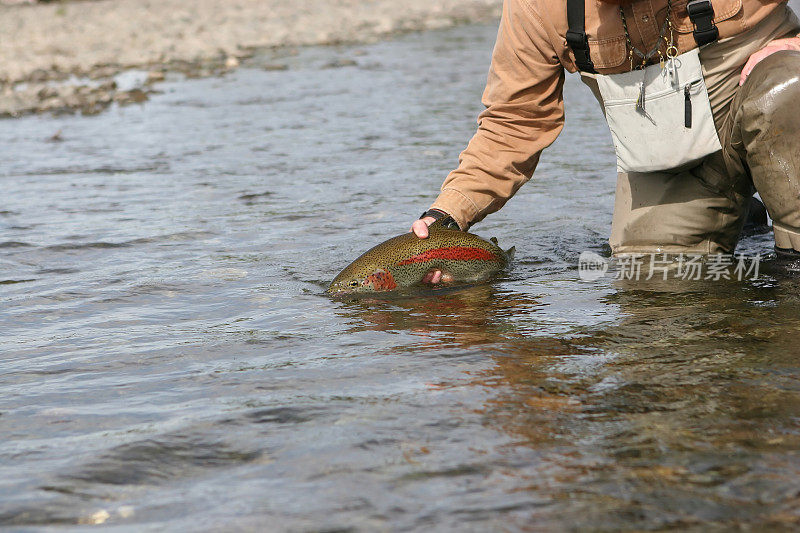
[403,261]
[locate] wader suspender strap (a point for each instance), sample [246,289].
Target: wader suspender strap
[701,12]
[576,35]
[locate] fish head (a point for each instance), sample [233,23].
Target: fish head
[362,279]
[372,272]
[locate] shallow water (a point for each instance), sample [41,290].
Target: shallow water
[169,359]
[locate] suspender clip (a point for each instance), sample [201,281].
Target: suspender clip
[701,13]
[577,39]
[579,43]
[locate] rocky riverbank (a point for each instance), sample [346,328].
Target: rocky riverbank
[83,56]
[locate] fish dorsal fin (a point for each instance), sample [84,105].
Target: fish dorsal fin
[494,240]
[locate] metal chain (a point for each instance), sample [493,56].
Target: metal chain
[666,29]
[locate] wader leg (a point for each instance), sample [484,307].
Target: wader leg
[766,134]
[674,213]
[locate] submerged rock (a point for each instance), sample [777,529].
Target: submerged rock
[68,98]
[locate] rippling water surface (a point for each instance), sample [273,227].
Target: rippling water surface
[169,358]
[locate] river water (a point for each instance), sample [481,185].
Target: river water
[169,359]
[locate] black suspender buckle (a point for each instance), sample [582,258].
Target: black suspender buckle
[701,13]
[579,43]
[576,35]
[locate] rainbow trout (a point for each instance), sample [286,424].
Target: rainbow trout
[403,261]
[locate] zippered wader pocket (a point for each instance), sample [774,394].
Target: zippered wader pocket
[660,118]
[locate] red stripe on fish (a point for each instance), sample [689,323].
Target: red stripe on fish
[456,253]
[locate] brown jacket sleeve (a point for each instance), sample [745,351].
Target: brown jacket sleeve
[524,115]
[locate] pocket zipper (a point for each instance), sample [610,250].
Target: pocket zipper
[687,93]
[688,109]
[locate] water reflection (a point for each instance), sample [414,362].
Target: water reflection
[680,412]
[690,420]
[458,318]
[171,362]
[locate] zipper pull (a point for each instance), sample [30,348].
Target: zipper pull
[688,111]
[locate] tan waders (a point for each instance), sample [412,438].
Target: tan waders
[766,136]
[702,209]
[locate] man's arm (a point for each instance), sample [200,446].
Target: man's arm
[524,114]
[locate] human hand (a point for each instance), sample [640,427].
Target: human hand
[420,229]
[793,43]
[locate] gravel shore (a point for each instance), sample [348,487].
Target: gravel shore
[65,56]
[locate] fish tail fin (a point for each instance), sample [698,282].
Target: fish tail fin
[511,252]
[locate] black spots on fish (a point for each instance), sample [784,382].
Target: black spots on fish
[406,259]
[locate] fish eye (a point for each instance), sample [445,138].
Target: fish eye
[354,283]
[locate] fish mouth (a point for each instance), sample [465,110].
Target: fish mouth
[346,293]
[338,291]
